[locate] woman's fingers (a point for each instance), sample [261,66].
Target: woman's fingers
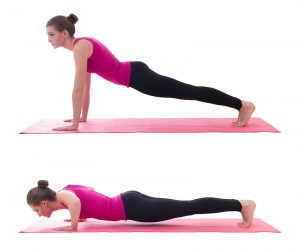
[65,228]
[65,128]
[71,120]
[80,220]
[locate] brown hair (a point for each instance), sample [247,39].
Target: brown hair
[40,193]
[61,23]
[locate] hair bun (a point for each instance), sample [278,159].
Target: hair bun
[72,18]
[43,184]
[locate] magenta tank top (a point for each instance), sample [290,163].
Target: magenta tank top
[105,64]
[98,206]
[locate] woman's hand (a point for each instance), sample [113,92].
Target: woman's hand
[71,120]
[80,220]
[66,128]
[64,228]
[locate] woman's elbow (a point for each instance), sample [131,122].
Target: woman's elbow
[77,91]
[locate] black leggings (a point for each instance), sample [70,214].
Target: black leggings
[143,208]
[149,82]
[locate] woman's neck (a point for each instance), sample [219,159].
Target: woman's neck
[57,205]
[69,43]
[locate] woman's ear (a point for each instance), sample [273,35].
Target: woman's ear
[43,203]
[66,34]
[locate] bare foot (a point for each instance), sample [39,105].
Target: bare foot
[248,208]
[245,113]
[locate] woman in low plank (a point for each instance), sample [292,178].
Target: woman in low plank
[91,56]
[84,202]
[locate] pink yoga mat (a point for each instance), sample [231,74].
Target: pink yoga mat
[171,226]
[154,125]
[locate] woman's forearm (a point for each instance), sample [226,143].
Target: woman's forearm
[86,97]
[77,105]
[74,209]
[85,106]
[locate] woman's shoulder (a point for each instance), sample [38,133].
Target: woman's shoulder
[70,186]
[86,42]
[84,45]
[87,38]
[76,187]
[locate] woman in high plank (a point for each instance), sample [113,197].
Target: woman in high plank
[91,56]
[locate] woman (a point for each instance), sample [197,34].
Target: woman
[84,202]
[91,56]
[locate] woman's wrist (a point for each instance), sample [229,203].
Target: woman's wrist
[83,118]
[75,124]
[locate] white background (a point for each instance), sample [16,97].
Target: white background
[249,49]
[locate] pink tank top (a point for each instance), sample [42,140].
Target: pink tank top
[98,206]
[105,64]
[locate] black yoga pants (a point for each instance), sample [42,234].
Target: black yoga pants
[149,82]
[143,208]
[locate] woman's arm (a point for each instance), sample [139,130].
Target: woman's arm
[82,51]
[80,58]
[69,199]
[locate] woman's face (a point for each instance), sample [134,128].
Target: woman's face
[43,209]
[56,38]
